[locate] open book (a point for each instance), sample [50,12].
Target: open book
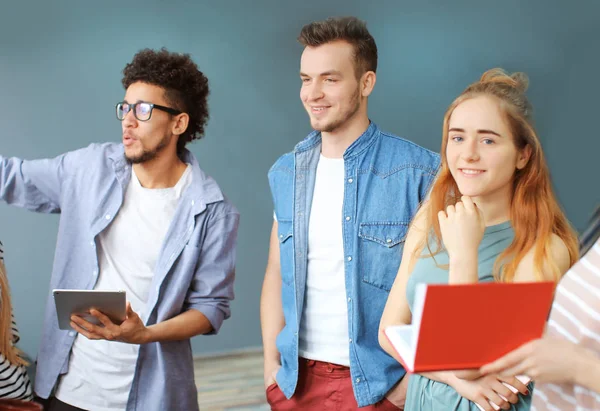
[466,326]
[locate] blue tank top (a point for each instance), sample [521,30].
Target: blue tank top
[496,239]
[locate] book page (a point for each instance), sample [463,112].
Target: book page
[401,338]
[420,293]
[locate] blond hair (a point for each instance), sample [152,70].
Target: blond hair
[10,352]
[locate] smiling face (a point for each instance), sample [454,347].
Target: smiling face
[331,92]
[480,151]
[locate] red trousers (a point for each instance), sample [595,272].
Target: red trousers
[322,387]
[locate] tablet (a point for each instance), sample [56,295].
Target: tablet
[69,302]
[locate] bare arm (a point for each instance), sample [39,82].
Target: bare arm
[133,330]
[462,227]
[539,360]
[271,310]
[587,373]
[397,311]
[527,272]
[185,325]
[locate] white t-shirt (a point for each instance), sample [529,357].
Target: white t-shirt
[324,324]
[101,372]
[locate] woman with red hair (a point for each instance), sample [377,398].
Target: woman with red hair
[491,216]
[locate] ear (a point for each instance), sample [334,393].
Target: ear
[180,123]
[367,83]
[524,156]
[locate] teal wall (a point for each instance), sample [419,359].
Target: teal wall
[60,71]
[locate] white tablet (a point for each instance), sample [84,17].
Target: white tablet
[79,302]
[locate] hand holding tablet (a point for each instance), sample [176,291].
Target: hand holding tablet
[80,302]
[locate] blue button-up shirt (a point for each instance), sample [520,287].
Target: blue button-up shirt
[195,268]
[386,179]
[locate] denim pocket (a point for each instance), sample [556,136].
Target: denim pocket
[380,247]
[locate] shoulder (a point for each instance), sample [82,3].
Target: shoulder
[96,149]
[556,250]
[560,252]
[409,149]
[221,213]
[94,155]
[221,209]
[284,163]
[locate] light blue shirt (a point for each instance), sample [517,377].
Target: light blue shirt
[195,268]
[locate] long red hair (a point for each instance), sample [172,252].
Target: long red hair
[534,211]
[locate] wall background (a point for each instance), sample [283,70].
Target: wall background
[60,72]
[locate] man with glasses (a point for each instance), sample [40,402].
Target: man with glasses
[140,216]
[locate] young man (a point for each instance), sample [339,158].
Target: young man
[343,201]
[140,216]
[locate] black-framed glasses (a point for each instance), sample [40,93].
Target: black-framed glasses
[141,110]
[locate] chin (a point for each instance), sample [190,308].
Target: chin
[131,153]
[470,192]
[317,125]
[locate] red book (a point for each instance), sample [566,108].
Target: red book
[466,326]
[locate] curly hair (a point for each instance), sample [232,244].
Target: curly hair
[186,87]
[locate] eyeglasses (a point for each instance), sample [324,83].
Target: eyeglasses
[141,110]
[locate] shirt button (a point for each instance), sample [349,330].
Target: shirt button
[107,216]
[95,273]
[357,380]
[350,340]
[348,218]
[349,299]
[193,202]
[350,180]
[92,243]
[389,240]
[349,258]
[71,333]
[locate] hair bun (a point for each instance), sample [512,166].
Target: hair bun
[518,80]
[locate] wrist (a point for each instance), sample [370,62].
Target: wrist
[585,362]
[463,268]
[149,335]
[464,256]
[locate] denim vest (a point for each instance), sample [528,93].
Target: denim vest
[386,178]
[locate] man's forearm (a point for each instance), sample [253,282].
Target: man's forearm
[186,325]
[271,318]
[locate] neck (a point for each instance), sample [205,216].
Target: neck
[163,171]
[335,143]
[495,206]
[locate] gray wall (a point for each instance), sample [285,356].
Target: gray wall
[60,66]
